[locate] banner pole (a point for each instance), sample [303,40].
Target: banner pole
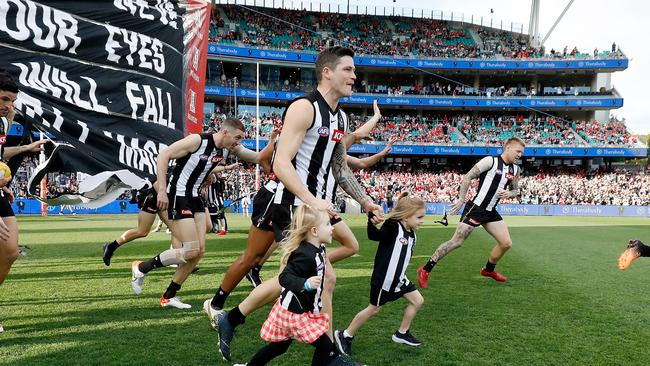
[257,127]
[41,160]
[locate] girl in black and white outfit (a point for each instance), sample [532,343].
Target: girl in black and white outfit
[296,314]
[389,283]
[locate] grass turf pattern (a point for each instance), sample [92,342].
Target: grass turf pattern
[565,301]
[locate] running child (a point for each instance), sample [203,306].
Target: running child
[388,282]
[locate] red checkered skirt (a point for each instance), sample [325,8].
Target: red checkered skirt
[283,324]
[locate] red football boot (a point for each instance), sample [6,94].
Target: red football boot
[494,274]
[423,277]
[630,254]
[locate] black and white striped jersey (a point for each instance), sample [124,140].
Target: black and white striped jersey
[305,262]
[314,157]
[216,192]
[5,126]
[394,253]
[493,180]
[193,169]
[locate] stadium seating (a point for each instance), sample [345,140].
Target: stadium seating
[483,130]
[376,35]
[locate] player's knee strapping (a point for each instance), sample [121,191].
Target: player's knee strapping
[187,251]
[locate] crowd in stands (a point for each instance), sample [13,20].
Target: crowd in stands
[482,130]
[546,187]
[375,35]
[433,88]
[580,188]
[608,133]
[494,130]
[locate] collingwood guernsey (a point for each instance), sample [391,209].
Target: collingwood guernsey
[314,157]
[496,177]
[193,169]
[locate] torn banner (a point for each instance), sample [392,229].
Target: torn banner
[116,80]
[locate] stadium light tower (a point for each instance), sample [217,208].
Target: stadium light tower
[533,28]
[533,24]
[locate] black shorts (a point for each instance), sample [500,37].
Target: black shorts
[5,206]
[150,202]
[185,207]
[379,297]
[261,217]
[281,219]
[474,215]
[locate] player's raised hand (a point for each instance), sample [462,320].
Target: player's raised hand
[375,108]
[456,207]
[389,146]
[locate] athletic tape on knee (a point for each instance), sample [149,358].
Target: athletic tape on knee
[172,256]
[189,247]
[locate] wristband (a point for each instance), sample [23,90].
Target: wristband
[308,286]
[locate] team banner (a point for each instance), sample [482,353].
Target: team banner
[110,79]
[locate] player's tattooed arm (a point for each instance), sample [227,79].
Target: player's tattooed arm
[474,173]
[480,167]
[345,177]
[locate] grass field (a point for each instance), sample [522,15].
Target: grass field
[565,302]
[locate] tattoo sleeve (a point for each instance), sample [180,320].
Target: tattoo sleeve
[474,173]
[514,187]
[461,234]
[345,177]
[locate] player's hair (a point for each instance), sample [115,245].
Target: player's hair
[7,82]
[304,218]
[330,58]
[232,124]
[513,140]
[407,205]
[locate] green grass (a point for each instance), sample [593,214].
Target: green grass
[565,302]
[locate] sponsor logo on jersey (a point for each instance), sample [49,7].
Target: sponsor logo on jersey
[186,212]
[337,135]
[509,176]
[404,241]
[216,159]
[3,139]
[324,131]
[498,171]
[204,157]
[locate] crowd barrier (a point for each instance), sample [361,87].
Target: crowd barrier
[555,210]
[33,207]
[447,150]
[563,102]
[425,63]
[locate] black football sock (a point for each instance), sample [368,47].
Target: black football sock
[429,266]
[150,264]
[171,290]
[235,317]
[643,249]
[219,298]
[490,266]
[112,247]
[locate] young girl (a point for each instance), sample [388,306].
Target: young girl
[389,283]
[296,314]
